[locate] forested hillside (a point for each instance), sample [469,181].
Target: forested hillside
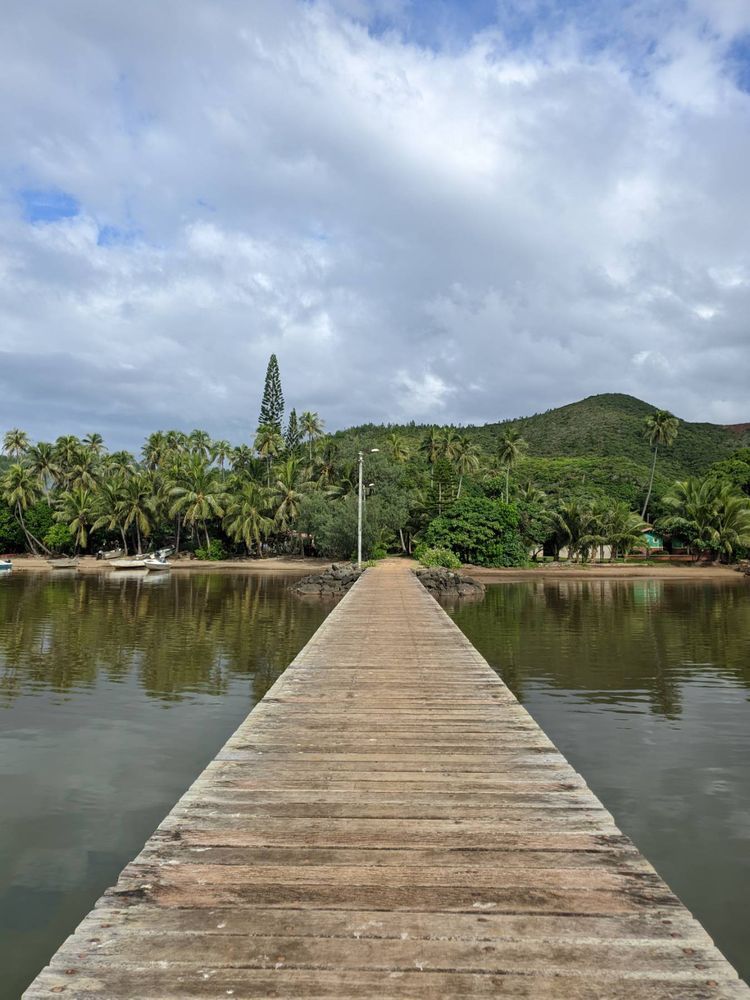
[609,425]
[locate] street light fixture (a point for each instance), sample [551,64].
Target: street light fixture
[371,451]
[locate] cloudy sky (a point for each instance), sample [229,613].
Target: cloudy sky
[459,210]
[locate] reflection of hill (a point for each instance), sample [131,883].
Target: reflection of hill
[188,634]
[607,639]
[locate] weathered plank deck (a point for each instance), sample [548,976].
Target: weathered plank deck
[389,822]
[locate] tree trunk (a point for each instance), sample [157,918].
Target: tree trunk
[31,540]
[208,540]
[177,536]
[401,537]
[651,483]
[507,483]
[460,482]
[138,535]
[124,540]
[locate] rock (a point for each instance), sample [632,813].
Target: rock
[333,582]
[445,583]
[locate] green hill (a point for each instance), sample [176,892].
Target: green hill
[609,425]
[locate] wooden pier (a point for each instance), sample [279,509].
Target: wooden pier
[389,822]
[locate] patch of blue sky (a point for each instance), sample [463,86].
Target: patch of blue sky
[738,62]
[112,236]
[47,204]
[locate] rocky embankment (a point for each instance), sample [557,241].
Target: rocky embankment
[333,582]
[743,566]
[446,583]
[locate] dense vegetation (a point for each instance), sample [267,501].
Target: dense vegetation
[589,475]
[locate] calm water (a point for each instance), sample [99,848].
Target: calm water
[115,693]
[644,686]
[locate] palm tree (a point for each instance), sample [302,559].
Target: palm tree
[466,457]
[242,460]
[512,447]
[198,495]
[76,508]
[246,520]
[312,427]
[155,449]
[15,443]
[431,447]
[42,462]
[200,443]
[449,444]
[94,443]
[692,511]
[109,506]
[21,489]
[288,490]
[398,447]
[269,444]
[221,451]
[710,514]
[616,525]
[659,427]
[137,506]
[732,522]
[119,461]
[575,526]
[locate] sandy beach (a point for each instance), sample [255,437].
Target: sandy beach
[297,565]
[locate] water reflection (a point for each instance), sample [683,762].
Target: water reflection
[115,692]
[176,634]
[613,640]
[643,685]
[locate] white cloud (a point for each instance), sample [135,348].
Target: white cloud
[463,233]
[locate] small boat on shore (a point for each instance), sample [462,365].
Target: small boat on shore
[157,565]
[63,562]
[5,565]
[112,554]
[137,562]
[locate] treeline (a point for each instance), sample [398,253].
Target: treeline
[294,490]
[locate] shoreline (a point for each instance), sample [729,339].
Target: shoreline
[303,566]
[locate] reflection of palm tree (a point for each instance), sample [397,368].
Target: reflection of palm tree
[659,427]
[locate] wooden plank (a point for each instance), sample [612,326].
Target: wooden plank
[389,822]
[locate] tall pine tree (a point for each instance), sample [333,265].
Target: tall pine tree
[272,405]
[293,435]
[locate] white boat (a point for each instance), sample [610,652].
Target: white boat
[155,565]
[63,562]
[137,562]
[5,565]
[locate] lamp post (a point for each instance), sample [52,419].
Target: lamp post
[359,507]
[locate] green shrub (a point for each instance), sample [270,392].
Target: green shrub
[439,557]
[59,539]
[214,553]
[378,552]
[480,531]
